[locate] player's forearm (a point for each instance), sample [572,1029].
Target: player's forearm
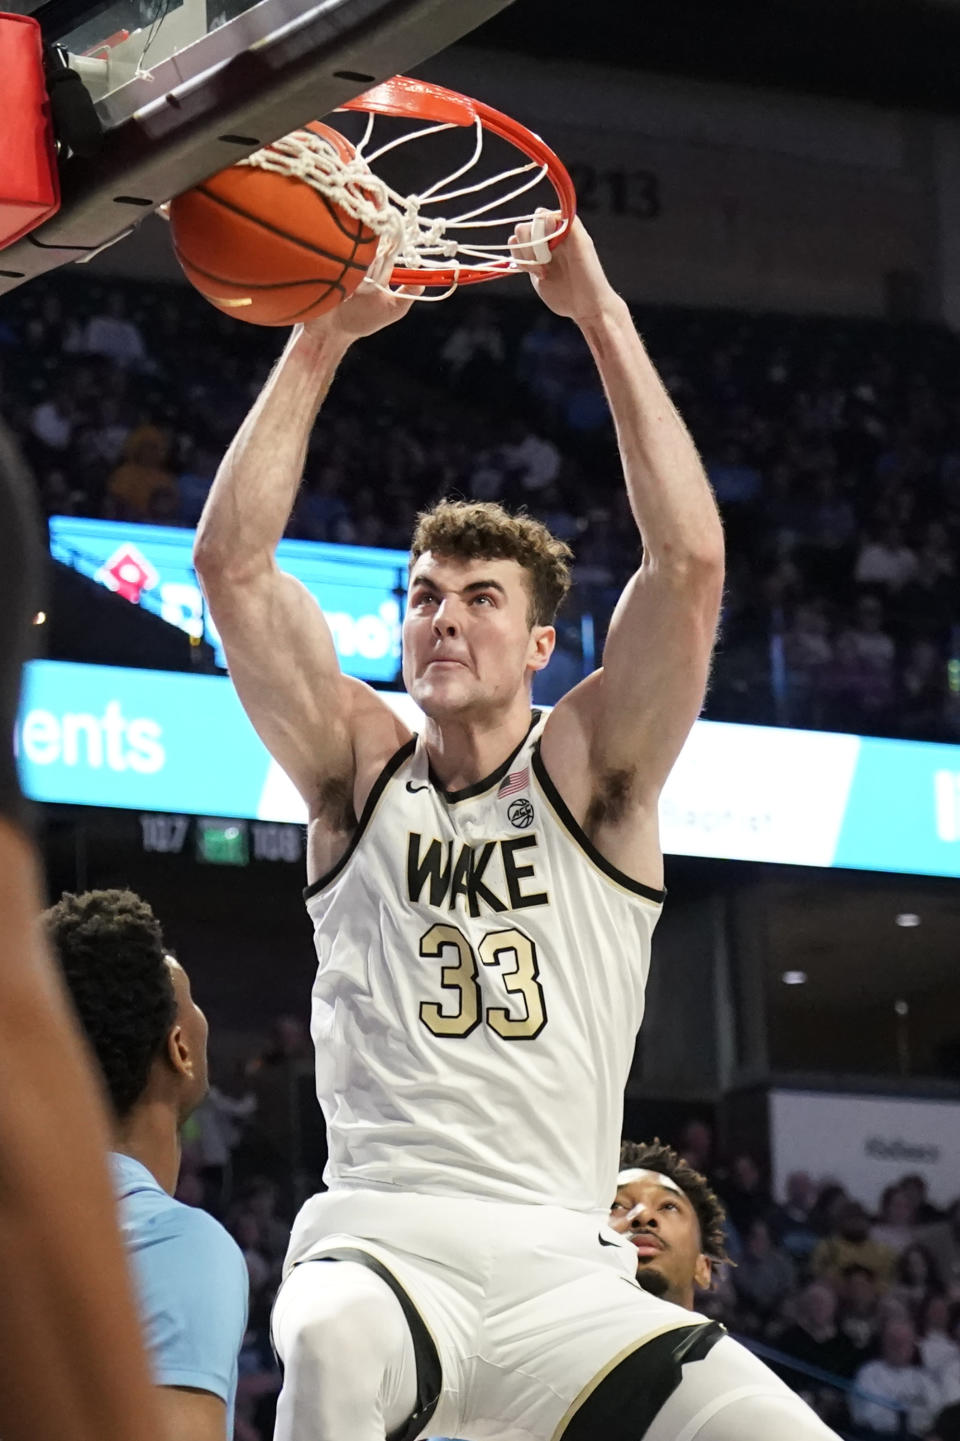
[256,485]
[71,1359]
[670,496]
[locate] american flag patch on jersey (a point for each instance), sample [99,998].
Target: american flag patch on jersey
[518,781]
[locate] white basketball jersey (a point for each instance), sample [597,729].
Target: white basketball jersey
[480,986]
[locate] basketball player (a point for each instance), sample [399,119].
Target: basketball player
[673,1218]
[71,1361]
[483,897]
[149,1038]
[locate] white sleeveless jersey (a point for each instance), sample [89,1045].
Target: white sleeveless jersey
[480,986]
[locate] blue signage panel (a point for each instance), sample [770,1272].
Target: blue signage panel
[162,741]
[152,565]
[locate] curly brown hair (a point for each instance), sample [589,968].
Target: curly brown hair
[655,1156]
[483,530]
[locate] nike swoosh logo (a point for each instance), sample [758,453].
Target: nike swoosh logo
[415,790]
[604,1242]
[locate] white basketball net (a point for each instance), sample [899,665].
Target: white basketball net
[410,238]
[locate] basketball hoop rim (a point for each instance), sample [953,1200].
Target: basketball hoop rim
[407,98]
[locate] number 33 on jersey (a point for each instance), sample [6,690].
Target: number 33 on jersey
[479,965]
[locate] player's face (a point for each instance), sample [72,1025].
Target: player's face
[663,1227]
[188,1040]
[467,642]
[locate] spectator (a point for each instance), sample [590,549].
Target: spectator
[924,1211]
[793,1223]
[549,354]
[532,462]
[52,422]
[744,1194]
[273,1142]
[827,1207]
[815,1338]
[923,690]
[808,653]
[895,1227]
[849,1244]
[101,440]
[260,1197]
[489,473]
[900,1380]
[859,683]
[859,1316]
[764,1276]
[937,553]
[938,1350]
[873,644]
[916,1278]
[926,606]
[114,335]
[218,1121]
[942,1239]
[886,560]
[245,1229]
[696,1145]
[949,1372]
[143,474]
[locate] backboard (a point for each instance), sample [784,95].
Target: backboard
[184,88]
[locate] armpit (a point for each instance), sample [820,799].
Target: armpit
[333,805]
[612,797]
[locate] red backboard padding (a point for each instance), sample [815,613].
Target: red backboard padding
[29,186]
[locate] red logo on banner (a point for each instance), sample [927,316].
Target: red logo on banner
[128,572]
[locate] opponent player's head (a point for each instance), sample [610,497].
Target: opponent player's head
[133,1001]
[485,587]
[673,1218]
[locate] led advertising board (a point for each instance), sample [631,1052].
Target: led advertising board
[152,565]
[169,742]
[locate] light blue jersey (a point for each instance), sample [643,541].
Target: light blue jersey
[192,1285]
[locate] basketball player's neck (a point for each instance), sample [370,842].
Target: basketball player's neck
[150,1134]
[464,750]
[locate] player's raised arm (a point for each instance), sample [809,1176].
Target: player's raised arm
[636,712]
[279,648]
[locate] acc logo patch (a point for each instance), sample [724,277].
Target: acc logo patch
[520,813]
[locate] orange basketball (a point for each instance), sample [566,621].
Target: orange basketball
[269,248]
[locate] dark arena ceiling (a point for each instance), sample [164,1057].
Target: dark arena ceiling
[891,52]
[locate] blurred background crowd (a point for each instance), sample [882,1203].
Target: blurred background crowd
[833,446]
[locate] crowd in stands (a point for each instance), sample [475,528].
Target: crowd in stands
[833,447]
[844,1295]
